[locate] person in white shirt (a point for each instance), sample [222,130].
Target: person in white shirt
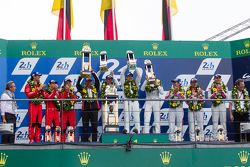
[239,110]
[153,91]
[218,91]
[8,110]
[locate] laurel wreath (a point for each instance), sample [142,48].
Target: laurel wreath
[130,91]
[177,103]
[219,95]
[237,105]
[33,89]
[198,104]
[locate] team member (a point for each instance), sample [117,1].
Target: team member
[68,111]
[130,88]
[8,110]
[176,109]
[239,110]
[52,112]
[195,114]
[90,106]
[153,91]
[218,91]
[34,90]
[108,87]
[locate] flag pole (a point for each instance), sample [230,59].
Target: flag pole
[113,19]
[170,19]
[64,19]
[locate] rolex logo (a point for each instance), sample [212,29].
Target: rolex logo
[165,157]
[205,46]
[3,159]
[84,158]
[86,44]
[33,45]
[155,46]
[243,155]
[115,141]
[247,44]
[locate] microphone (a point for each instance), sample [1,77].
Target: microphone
[130,141]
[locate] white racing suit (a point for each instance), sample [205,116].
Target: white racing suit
[152,106]
[195,118]
[131,108]
[175,118]
[110,89]
[219,113]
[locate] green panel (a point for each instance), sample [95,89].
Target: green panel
[240,48]
[142,138]
[118,157]
[117,49]
[3,47]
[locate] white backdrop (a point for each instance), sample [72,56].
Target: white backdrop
[136,19]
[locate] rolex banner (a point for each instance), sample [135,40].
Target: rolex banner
[62,59]
[146,157]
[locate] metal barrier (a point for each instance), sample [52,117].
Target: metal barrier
[174,117]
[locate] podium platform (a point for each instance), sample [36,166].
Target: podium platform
[136,138]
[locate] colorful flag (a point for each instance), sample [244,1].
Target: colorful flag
[58,9]
[169,7]
[106,13]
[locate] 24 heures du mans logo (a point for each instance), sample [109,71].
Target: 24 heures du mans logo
[155,51]
[79,52]
[244,51]
[205,52]
[34,51]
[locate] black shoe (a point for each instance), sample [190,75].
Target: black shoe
[124,131]
[135,131]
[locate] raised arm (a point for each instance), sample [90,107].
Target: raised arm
[97,81]
[78,84]
[138,77]
[122,76]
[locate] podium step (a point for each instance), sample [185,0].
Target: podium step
[137,138]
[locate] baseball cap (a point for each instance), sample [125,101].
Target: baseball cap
[36,74]
[67,80]
[130,73]
[52,81]
[109,76]
[217,76]
[178,80]
[193,80]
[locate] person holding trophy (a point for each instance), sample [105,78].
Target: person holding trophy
[68,111]
[52,112]
[153,89]
[176,112]
[218,91]
[34,90]
[195,114]
[130,87]
[89,93]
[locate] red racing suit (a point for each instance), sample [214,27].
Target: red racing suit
[67,116]
[35,112]
[52,112]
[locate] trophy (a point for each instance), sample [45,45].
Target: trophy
[103,61]
[86,61]
[71,134]
[131,61]
[7,128]
[197,133]
[150,72]
[57,134]
[221,136]
[111,105]
[178,136]
[48,136]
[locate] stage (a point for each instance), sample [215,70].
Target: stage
[203,154]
